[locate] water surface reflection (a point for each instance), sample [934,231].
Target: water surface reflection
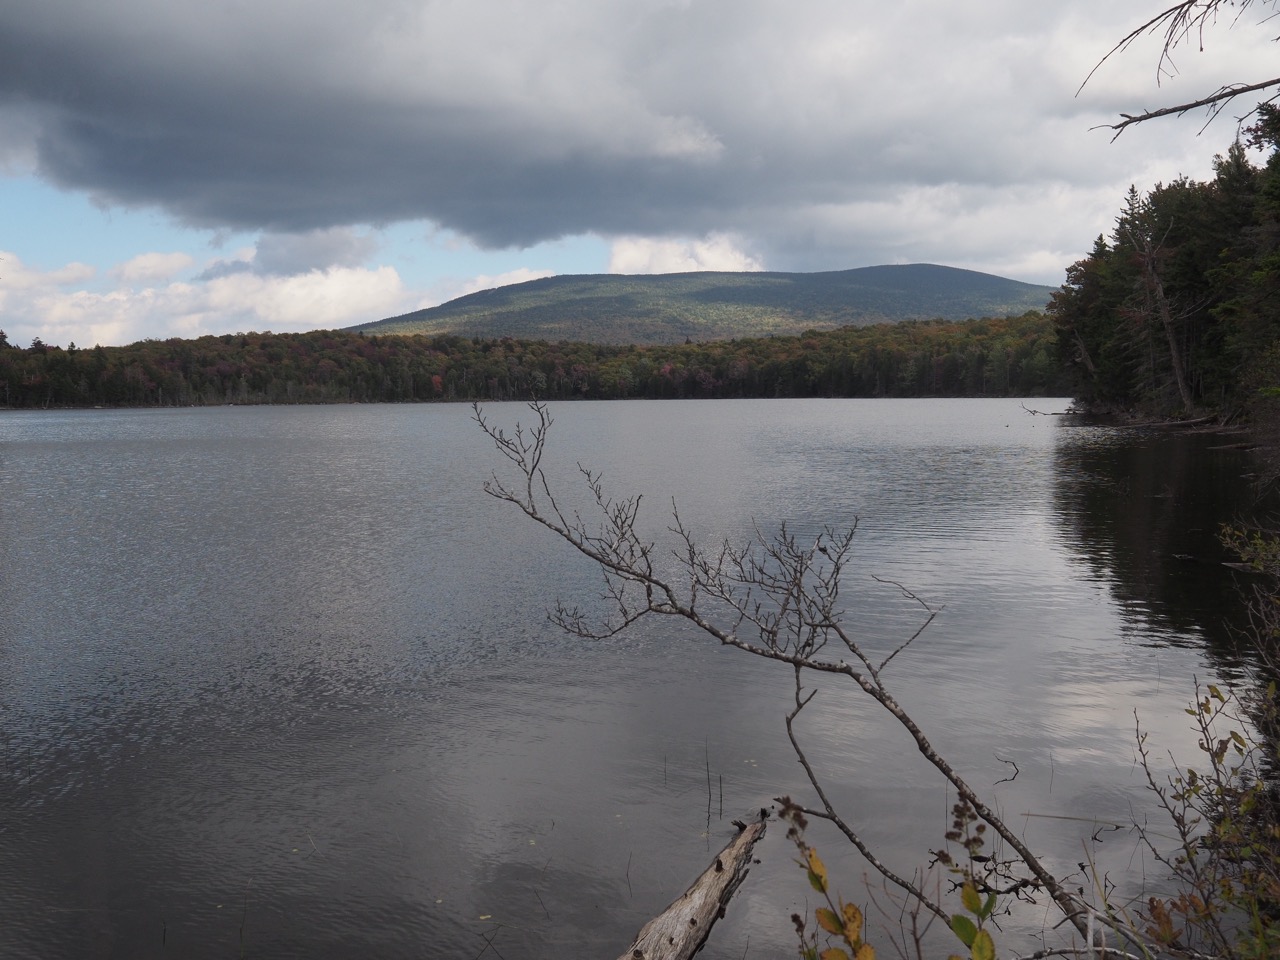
[279,679]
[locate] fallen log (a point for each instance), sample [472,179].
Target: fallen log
[680,930]
[1176,424]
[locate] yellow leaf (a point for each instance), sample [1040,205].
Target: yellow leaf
[969,897]
[828,920]
[817,872]
[833,953]
[866,952]
[984,948]
[852,922]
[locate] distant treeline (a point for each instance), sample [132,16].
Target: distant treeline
[993,357]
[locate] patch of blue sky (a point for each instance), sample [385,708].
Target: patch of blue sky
[49,228]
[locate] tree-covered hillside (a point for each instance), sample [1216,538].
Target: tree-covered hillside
[1178,310]
[672,308]
[1007,356]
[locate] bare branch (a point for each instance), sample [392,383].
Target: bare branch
[1179,24]
[828,812]
[786,591]
[931,615]
[1016,771]
[1216,101]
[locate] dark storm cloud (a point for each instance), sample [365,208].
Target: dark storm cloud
[512,123]
[254,128]
[288,254]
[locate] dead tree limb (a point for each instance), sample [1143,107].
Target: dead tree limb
[1216,101]
[680,930]
[783,593]
[1183,23]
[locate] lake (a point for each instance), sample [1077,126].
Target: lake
[278,681]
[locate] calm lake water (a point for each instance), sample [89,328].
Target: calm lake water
[277,682]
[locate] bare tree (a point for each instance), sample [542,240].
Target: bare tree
[1181,25]
[778,598]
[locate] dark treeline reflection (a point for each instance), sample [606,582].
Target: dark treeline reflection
[1146,517]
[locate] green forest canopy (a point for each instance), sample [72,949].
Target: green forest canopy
[1178,311]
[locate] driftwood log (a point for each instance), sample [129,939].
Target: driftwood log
[680,931]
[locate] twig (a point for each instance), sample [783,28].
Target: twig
[931,616]
[488,943]
[244,914]
[1016,771]
[544,906]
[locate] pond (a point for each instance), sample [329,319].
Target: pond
[278,681]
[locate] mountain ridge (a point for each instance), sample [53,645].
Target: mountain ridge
[717,305]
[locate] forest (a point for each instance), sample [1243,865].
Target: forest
[1010,356]
[1176,312]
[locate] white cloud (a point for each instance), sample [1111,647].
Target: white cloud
[320,299]
[134,302]
[39,304]
[453,289]
[149,267]
[649,255]
[19,279]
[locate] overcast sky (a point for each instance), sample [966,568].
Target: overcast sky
[174,169]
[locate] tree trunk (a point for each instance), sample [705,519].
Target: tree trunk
[1166,318]
[1147,255]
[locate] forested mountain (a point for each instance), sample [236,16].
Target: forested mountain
[1006,356]
[1178,310]
[672,308]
